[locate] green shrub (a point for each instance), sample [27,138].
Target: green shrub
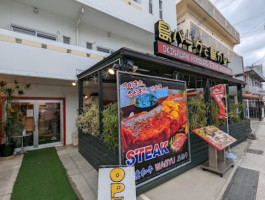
[215,111]
[110,121]
[88,120]
[197,111]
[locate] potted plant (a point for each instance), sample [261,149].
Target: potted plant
[8,124]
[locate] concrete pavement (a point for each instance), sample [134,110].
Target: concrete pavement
[193,184]
[257,161]
[83,177]
[8,174]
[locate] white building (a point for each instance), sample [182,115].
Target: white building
[253,91]
[46,43]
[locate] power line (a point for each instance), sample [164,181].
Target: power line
[228,4]
[256,17]
[251,31]
[259,60]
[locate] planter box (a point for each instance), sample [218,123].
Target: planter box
[97,153]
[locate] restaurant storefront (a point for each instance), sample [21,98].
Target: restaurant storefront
[156,137]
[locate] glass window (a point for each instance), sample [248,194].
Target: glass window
[66,40]
[160,10]
[151,6]
[89,45]
[102,49]
[49,123]
[23,114]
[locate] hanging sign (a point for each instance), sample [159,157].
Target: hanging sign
[116,183]
[200,55]
[218,93]
[154,133]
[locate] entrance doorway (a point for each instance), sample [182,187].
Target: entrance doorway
[42,120]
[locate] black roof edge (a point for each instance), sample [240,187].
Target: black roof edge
[126,52]
[101,64]
[165,61]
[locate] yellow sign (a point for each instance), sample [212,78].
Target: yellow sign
[116,183]
[163,32]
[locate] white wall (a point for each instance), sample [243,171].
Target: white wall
[37,62]
[140,18]
[21,14]
[100,38]
[18,59]
[140,23]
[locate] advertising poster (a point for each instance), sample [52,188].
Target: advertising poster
[154,134]
[215,137]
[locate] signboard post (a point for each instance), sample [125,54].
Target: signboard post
[154,134]
[218,141]
[116,183]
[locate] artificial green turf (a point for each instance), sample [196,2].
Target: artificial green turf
[42,177]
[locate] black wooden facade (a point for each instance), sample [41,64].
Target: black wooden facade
[97,153]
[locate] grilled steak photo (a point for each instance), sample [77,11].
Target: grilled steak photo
[155,126]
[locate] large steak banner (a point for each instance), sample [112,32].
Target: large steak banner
[154,134]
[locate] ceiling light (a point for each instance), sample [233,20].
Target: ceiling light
[115,66]
[111,71]
[85,96]
[74,83]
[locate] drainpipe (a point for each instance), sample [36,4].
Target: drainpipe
[77,24]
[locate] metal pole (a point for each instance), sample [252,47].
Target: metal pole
[80,96]
[240,100]
[227,121]
[247,109]
[207,96]
[80,100]
[100,101]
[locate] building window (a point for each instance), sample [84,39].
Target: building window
[151,6]
[160,10]
[33,32]
[23,30]
[102,49]
[44,46]
[66,40]
[89,45]
[47,36]
[19,41]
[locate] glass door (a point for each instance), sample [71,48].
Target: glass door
[49,120]
[42,120]
[23,114]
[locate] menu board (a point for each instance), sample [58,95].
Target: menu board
[215,137]
[154,134]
